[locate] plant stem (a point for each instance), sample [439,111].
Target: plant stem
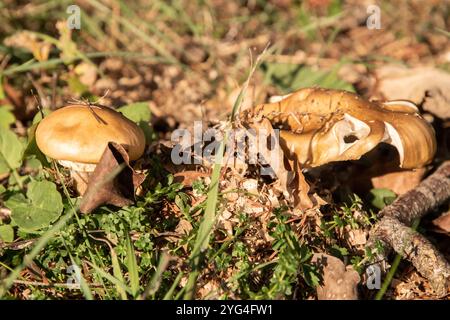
[390,275]
[18,178]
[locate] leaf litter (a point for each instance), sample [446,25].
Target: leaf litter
[244,192]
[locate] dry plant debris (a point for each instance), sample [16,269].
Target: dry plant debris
[113,180]
[185,69]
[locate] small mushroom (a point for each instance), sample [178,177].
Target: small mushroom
[319,126]
[77,135]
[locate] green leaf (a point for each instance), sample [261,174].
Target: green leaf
[136,112]
[117,272]
[382,197]
[38,117]
[11,151]
[109,277]
[2,92]
[42,206]
[290,77]
[132,266]
[33,149]
[139,113]
[7,233]
[76,86]
[6,116]
[311,275]
[338,251]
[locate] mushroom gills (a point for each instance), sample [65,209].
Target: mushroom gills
[78,166]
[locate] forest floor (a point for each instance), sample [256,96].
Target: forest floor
[167,64]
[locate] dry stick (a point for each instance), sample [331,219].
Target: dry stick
[393,229]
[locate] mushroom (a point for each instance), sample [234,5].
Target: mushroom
[318,126]
[77,135]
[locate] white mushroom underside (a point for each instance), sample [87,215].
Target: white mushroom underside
[392,137]
[275,99]
[347,127]
[78,166]
[351,126]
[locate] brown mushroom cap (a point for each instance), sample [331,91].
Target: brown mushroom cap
[319,126]
[78,135]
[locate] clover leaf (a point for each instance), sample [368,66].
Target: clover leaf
[42,206]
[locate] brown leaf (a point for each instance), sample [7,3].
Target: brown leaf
[384,172]
[422,84]
[87,73]
[30,41]
[113,181]
[400,181]
[291,180]
[186,178]
[339,282]
[443,222]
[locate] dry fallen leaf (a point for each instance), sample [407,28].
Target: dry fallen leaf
[385,173]
[106,186]
[183,227]
[186,178]
[356,237]
[30,41]
[399,181]
[339,282]
[291,181]
[87,73]
[443,222]
[420,85]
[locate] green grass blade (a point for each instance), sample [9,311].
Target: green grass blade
[155,282]
[238,102]
[84,287]
[117,272]
[390,275]
[33,64]
[202,240]
[204,231]
[132,266]
[136,31]
[110,278]
[171,291]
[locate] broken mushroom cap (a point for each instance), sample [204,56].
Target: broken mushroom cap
[77,135]
[319,126]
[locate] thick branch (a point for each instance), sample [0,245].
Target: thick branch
[418,250]
[430,193]
[393,231]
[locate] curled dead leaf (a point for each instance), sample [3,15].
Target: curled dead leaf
[291,179]
[113,181]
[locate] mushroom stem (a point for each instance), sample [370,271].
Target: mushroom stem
[81,179]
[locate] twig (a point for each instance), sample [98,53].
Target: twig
[393,230]
[55,285]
